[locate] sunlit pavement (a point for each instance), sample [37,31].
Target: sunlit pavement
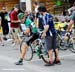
[10,54]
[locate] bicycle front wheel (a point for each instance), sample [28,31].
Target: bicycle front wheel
[45,58]
[44,54]
[29,51]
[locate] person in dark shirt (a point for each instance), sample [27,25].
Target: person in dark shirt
[49,33]
[4,22]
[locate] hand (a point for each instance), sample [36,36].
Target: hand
[19,21]
[43,35]
[67,34]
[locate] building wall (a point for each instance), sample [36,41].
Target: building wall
[28,5]
[48,3]
[8,3]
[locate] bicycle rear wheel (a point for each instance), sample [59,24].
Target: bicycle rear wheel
[29,51]
[62,45]
[72,47]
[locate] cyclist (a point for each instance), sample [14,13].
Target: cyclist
[49,34]
[72,17]
[30,29]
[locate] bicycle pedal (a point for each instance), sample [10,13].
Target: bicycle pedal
[39,57]
[34,51]
[74,38]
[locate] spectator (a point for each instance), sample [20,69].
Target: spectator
[29,14]
[1,33]
[36,14]
[4,22]
[70,10]
[72,17]
[15,24]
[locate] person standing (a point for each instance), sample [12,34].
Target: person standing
[36,14]
[15,24]
[49,33]
[70,10]
[4,22]
[72,17]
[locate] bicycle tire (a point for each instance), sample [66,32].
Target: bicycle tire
[29,50]
[72,48]
[59,43]
[44,54]
[60,46]
[45,59]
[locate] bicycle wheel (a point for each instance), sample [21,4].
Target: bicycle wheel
[61,43]
[44,54]
[72,49]
[29,51]
[72,46]
[63,46]
[45,58]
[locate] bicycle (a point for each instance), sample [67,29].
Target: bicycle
[37,47]
[66,43]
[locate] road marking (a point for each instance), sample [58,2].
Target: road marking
[13,69]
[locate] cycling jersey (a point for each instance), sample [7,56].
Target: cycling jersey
[29,23]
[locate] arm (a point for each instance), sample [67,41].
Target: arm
[69,10]
[46,27]
[27,24]
[0,21]
[27,31]
[70,25]
[13,19]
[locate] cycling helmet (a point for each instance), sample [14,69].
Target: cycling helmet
[20,15]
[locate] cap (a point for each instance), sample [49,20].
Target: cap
[21,15]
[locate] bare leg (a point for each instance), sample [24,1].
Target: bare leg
[56,54]
[20,62]
[24,48]
[51,55]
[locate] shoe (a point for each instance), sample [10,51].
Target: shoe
[9,40]
[49,64]
[57,62]
[2,45]
[4,38]
[19,63]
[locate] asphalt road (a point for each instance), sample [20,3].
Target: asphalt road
[10,54]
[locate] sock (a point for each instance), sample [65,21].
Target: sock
[21,60]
